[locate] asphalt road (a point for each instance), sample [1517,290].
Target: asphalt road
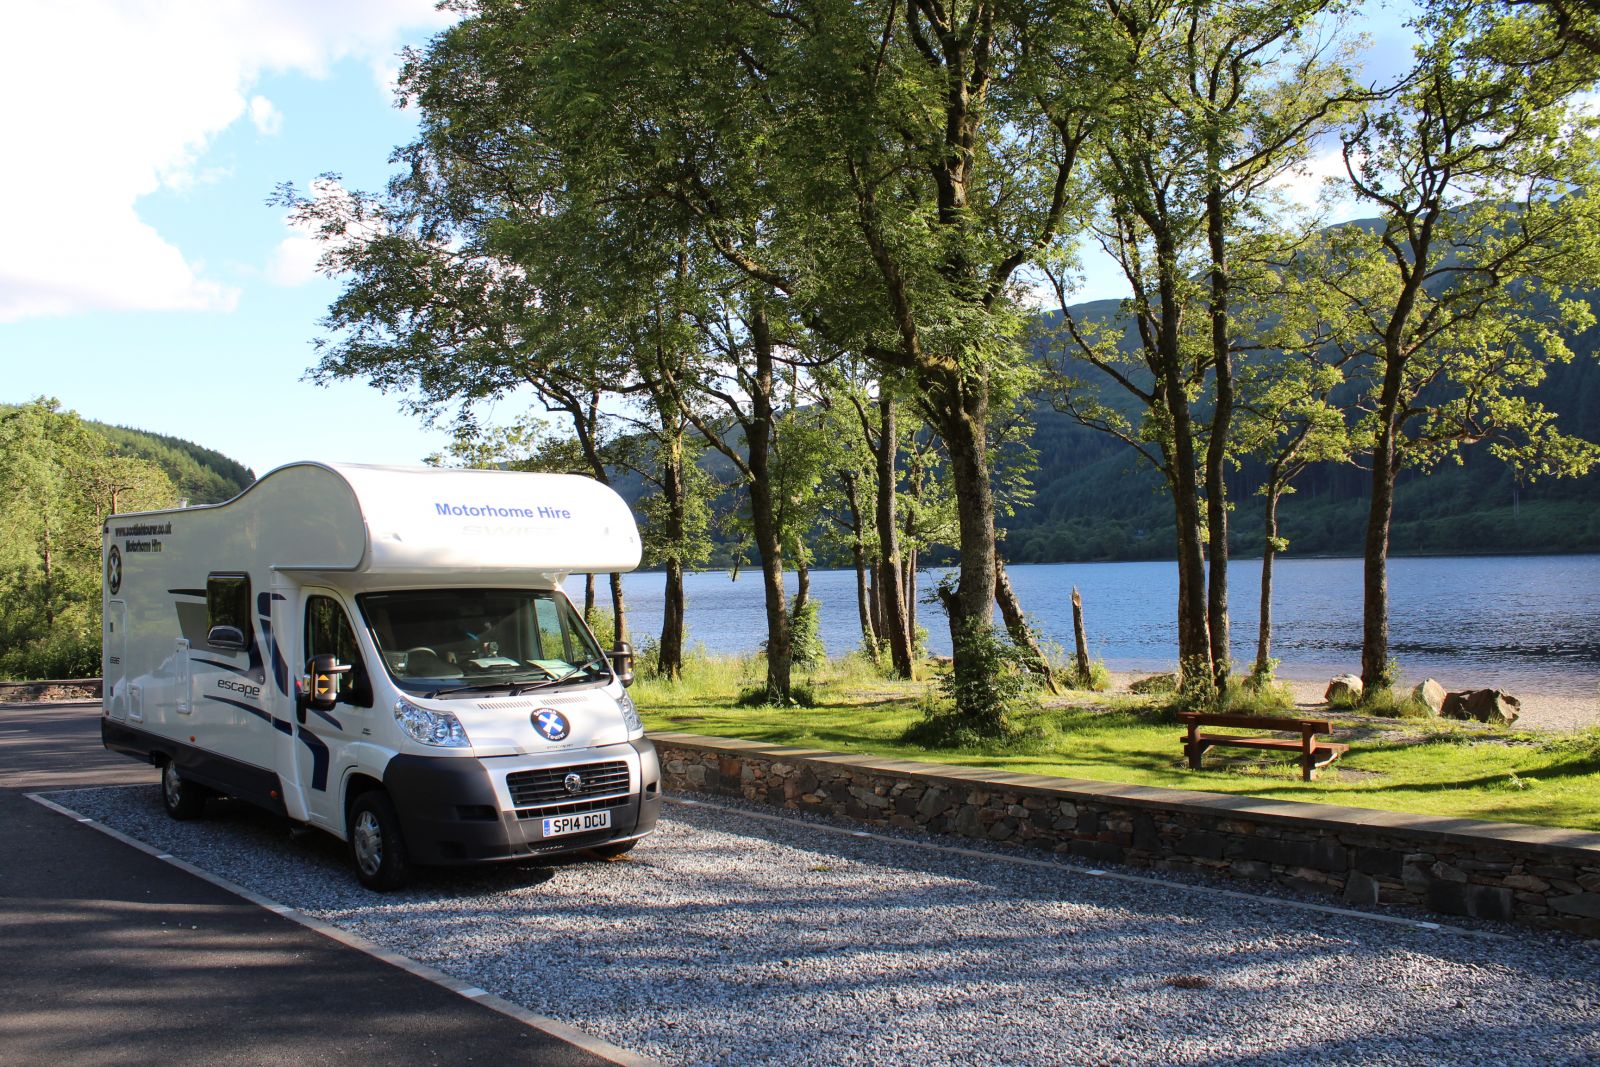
[111,956]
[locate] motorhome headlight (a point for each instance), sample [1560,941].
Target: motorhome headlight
[437,728]
[630,714]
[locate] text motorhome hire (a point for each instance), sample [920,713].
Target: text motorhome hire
[452,708]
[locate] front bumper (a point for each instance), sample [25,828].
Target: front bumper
[459,811]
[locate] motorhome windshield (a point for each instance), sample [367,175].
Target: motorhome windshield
[442,641]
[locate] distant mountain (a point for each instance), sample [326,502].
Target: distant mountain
[202,475]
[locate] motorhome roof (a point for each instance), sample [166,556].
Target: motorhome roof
[414,520]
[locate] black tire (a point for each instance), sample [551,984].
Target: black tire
[612,851]
[377,848]
[183,799]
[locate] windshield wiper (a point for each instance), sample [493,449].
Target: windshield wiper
[471,687]
[584,672]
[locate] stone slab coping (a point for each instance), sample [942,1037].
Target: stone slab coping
[1581,845]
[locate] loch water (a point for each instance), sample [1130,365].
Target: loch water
[1528,623]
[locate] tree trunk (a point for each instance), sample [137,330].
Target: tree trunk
[962,411]
[1017,625]
[669,655]
[1217,446]
[619,612]
[802,591]
[1269,552]
[858,556]
[1194,643]
[1080,640]
[869,636]
[895,625]
[763,513]
[909,585]
[588,596]
[874,594]
[1375,559]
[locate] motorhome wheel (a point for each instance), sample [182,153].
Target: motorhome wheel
[376,847]
[183,799]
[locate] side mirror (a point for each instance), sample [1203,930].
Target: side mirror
[622,662]
[322,681]
[228,637]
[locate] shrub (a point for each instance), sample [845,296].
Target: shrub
[1197,690]
[1097,681]
[759,696]
[1389,704]
[977,700]
[604,625]
[62,655]
[1254,696]
[805,636]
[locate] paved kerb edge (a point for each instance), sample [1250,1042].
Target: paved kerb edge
[553,1027]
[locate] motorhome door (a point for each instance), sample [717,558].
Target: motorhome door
[322,737]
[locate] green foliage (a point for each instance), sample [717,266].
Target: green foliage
[760,696]
[1382,688]
[805,635]
[1389,703]
[603,624]
[990,680]
[943,727]
[1197,689]
[1098,679]
[59,477]
[1256,697]
[200,475]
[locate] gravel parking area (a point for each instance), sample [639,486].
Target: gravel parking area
[729,938]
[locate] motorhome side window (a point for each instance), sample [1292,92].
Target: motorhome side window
[227,610]
[328,629]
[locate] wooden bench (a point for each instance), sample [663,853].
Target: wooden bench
[1314,754]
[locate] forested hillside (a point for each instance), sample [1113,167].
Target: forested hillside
[202,475]
[60,476]
[1096,500]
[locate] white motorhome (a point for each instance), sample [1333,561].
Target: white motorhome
[385,653]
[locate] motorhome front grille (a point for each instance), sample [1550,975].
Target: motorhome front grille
[548,784]
[546,811]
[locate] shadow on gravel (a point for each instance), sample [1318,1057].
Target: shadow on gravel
[724,938]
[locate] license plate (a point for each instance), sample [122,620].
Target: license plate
[557,825]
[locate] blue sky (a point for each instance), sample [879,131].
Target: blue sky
[144,281]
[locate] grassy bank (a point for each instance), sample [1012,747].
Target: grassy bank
[1422,766]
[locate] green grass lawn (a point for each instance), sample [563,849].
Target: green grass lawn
[1422,766]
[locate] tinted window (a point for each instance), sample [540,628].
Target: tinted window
[433,639]
[328,630]
[228,602]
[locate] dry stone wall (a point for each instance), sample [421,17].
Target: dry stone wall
[1538,876]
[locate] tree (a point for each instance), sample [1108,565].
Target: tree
[1480,168]
[445,304]
[875,172]
[1288,416]
[59,479]
[1215,101]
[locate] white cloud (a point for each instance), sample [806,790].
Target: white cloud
[295,259]
[109,101]
[265,115]
[1320,186]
